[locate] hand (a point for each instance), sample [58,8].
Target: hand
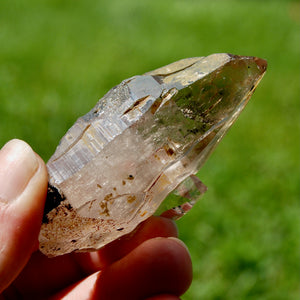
[150,263]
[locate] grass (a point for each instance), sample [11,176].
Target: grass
[58,57]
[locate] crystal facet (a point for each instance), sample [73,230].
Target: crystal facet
[144,140]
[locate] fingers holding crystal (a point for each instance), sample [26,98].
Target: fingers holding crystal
[151,228]
[157,266]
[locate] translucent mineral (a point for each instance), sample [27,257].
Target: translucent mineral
[137,151]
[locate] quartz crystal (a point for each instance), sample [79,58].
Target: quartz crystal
[137,151]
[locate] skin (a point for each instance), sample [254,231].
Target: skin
[150,263]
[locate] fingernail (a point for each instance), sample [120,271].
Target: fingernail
[180,242]
[18,163]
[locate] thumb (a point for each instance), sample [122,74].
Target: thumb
[23,187]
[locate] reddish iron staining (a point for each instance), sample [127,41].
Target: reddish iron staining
[123,182]
[155,105]
[108,197]
[68,206]
[131,199]
[105,210]
[169,150]
[99,186]
[155,181]
[135,105]
[142,214]
[156,157]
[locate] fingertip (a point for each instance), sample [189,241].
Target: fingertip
[34,195]
[23,188]
[157,266]
[163,226]
[18,164]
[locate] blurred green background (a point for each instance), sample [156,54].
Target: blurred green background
[58,57]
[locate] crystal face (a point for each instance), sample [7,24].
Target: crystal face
[137,151]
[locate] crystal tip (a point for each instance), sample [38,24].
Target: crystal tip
[261,63]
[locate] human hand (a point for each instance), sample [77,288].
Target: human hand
[150,263]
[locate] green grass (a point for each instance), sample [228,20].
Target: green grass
[58,57]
